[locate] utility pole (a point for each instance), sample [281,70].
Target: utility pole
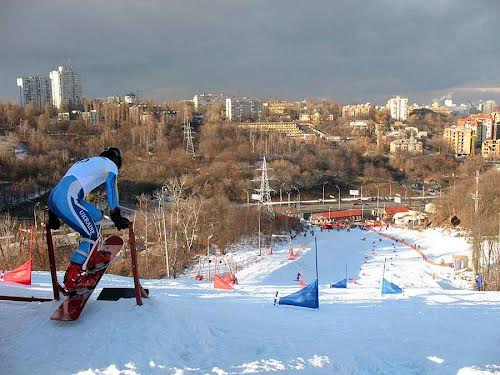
[260,248]
[337,186]
[476,243]
[162,205]
[324,183]
[476,196]
[362,206]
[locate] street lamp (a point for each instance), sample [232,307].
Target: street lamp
[161,202]
[208,244]
[298,195]
[324,183]
[281,188]
[337,186]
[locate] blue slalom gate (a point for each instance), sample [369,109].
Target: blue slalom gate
[390,288]
[306,297]
[340,284]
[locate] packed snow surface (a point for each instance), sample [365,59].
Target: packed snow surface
[437,326]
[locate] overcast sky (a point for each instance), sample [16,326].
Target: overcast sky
[349,51]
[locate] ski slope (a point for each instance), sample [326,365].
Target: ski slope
[437,326]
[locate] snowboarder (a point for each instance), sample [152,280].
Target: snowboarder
[299,275]
[67,202]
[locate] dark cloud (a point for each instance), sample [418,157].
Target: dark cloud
[352,50]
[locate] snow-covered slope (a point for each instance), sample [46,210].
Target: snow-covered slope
[187,327]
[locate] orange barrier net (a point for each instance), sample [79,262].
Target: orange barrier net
[413,247]
[220,283]
[20,275]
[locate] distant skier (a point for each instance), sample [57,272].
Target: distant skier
[299,275]
[67,201]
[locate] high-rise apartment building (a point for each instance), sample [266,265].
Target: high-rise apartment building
[460,139]
[34,90]
[398,108]
[243,109]
[487,106]
[66,87]
[202,100]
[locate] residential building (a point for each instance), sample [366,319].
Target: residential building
[289,129]
[410,145]
[332,216]
[486,123]
[487,106]
[66,87]
[460,139]
[279,107]
[359,125]
[398,108]
[356,110]
[130,98]
[305,117]
[496,125]
[34,90]
[243,109]
[481,125]
[491,148]
[200,101]
[89,117]
[63,116]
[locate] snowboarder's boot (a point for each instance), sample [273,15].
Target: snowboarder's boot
[76,278]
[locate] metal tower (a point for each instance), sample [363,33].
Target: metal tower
[188,136]
[265,190]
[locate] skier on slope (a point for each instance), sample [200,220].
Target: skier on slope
[66,201]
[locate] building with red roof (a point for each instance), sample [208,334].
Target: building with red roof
[322,217]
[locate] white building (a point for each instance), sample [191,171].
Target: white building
[35,90]
[66,87]
[243,109]
[487,106]
[202,100]
[130,98]
[398,108]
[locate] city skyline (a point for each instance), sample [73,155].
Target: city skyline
[351,53]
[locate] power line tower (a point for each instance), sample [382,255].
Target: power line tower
[264,190]
[188,136]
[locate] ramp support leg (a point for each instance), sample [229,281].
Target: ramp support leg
[52,263]
[139,291]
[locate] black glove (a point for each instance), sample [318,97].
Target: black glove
[54,222]
[119,221]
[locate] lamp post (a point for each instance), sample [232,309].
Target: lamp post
[34,213]
[260,248]
[361,200]
[281,197]
[324,183]
[162,204]
[298,196]
[378,197]
[337,186]
[208,244]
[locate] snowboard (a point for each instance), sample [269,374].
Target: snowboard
[72,306]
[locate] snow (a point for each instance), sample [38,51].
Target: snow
[437,326]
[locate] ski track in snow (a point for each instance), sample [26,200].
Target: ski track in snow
[437,326]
